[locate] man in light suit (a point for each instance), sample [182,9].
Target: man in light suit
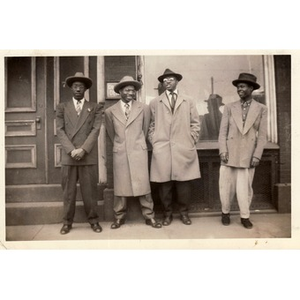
[173,132]
[242,137]
[78,124]
[127,125]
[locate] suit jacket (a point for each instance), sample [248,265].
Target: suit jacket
[130,152]
[173,138]
[78,131]
[243,142]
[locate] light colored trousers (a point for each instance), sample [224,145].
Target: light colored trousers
[236,181]
[146,202]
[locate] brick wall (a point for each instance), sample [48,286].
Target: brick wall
[283,95]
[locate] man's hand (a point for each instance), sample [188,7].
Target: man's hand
[224,157]
[78,154]
[254,162]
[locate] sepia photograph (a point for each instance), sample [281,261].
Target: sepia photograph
[150,146]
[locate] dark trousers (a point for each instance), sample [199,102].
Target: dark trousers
[146,202]
[183,192]
[87,177]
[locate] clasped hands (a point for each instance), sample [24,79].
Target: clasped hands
[77,154]
[254,161]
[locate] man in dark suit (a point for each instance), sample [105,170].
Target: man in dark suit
[242,137]
[78,124]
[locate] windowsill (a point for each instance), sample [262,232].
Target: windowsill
[212,145]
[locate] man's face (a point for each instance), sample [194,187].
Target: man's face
[78,89]
[170,83]
[244,90]
[127,93]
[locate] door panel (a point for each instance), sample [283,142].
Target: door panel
[24,120]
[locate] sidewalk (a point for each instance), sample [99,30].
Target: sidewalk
[266,226]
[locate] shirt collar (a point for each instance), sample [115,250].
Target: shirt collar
[123,103]
[75,100]
[175,92]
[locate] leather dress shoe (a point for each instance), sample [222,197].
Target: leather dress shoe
[186,220]
[153,223]
[225,219]
[117,223]
[167,221]
[96,227]
[246,222]
[65,229]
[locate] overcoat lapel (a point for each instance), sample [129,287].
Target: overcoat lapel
[236,113]
[164,99]
[251,116]
[136,109]
[178,102]
[118,112]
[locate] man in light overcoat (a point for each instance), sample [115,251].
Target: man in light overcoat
[78,124]
[242,137]
[173,133]
[127,124]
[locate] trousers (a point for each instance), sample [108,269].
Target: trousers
[236,181]
[146,202]
[87,178]
[183,193]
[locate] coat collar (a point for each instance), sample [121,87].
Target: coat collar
[136,108]
[164,99]
[236,112]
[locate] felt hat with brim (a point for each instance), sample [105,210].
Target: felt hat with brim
[215,98]
[79,76]
[125,81]
[247,78]
[169,73]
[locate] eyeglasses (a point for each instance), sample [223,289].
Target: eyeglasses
[78,86]
[169,79]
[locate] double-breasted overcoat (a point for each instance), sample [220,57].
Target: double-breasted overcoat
[130,151]
[243,142]
[173,137]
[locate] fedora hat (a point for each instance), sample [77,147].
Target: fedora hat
[79,76]
[215,98]
[127,80]
[247,78]
[168,73]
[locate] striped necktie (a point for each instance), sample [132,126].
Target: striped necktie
[78,107]
[127,111]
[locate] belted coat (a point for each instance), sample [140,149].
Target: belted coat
[130,151]
[173,137]
[243,142]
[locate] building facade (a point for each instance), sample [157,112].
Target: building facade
[35,85]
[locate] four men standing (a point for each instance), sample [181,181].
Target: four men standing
[172,125]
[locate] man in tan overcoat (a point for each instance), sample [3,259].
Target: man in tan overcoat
[242,137]
[173,133]
[127,124]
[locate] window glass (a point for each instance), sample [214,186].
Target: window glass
[208,80]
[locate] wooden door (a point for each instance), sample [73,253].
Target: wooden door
[25,120]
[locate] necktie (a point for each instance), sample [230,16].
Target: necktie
[78,107]
[173,99]
[127,111]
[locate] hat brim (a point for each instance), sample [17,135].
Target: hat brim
[255,85]
[87,81]
[162,77]
[120,85]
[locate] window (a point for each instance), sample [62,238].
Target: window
[208,80]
